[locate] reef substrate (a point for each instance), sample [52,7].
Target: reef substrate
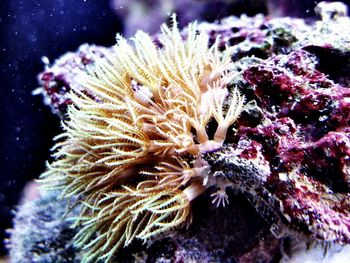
[287,157]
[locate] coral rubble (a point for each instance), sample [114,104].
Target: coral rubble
[137,156]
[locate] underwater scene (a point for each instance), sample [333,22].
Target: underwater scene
[168,131]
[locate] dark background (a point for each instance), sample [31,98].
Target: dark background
[30,29]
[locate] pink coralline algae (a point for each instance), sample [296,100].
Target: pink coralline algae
[59,78]
[306,139]
[297,120]
[289,151]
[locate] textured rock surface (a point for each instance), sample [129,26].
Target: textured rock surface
[41,234]
[305,133]
[59,78]
[231,234]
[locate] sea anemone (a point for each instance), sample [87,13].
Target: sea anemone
[132,144]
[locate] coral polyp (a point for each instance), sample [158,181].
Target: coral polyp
[133,139]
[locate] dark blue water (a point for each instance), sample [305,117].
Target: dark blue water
[29,30]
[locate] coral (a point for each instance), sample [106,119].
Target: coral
[146,132]
[246,36]
[133,139]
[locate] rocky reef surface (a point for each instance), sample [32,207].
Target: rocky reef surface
[286,159]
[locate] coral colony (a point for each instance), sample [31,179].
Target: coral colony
[135,137]
[258,105]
